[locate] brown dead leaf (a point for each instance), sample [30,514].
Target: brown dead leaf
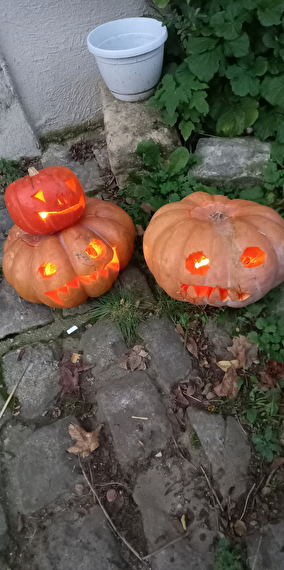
[147,208]
[139,230]
[226,364]
[240,528]
[181,400]
[267,379]
[244,351]
[192,346]
[277,462]
[228,387]
[136,359]
[86,442]
[76,357]
[180,330]
[70,374]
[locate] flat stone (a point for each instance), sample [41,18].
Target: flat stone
[85,543]
[91,384]
[7,414]
[2,243]
[102,345]
[4,538]
[17,138]
[265,549]
[227,449]
[132,278]
[89,173]
[18,315]
[40,470]
[3,564]
[134,439]
[171,362]
[6,222]
[39,385]
[219,337]
[231,163]
[166,492]
[127,124]
[179,556]
[81,310]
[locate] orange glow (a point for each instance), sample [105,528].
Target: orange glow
[224,294]
[114,263]
[39,196]
[96,249]
[253,257]
[71,183]
[47,269]
[197,263]
[243,296]
[81,203]
[203,290]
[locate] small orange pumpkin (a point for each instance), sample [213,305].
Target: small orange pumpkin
[211,250]
[64,268]
[46,201]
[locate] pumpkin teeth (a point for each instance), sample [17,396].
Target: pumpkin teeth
[207,291]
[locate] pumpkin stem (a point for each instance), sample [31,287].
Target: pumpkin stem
[218,216]
[32,171]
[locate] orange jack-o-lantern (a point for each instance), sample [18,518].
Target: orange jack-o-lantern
[64,268]
[46,201]
[212,250]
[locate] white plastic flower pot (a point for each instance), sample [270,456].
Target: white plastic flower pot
[129,54]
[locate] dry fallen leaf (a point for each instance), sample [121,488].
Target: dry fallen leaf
[192,346]
[69,374]
[180,330]
[86,442]
[147,208]
[75,357]
[276,463]
[228,386]
[226,364]
[111,495]
[244,351]
[136,359]
[139,230]
[240,528]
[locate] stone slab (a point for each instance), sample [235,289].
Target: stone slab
[265,549]
[231,163]
[17,315]
[219,337]
[132,278]
[17,138]
[81,310]
[127,124]
[40,384]
[164,494]
[89,173]
[6,222]
[4,538]
[85,543]
[179,556]
[171,362]
[2,243]
[227,449]
[134,439]
[102,345]
[40,470]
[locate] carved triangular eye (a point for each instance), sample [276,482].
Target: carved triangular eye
[71,183]
[253,257]
[39,196]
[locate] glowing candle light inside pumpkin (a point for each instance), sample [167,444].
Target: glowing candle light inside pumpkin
[96,249]
[204,261]
[197,263]
[47,269]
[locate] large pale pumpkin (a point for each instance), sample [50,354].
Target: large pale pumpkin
[211,250]
[46,201]
[63,269]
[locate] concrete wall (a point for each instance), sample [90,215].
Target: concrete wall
[44,45]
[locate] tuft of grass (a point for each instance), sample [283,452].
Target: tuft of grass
[229,556]
[10,171]
[195,441]
[180,311]
[124,308]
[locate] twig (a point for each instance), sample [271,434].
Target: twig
[211,488]
[257,552]
[112,483]
[183,457]
[108,517]
[245,507]
[29,365]
[243,430]
[166,546]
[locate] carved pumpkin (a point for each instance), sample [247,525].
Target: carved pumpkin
[46,201]
[212,250]
[63,269]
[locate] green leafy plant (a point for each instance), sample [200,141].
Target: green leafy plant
[229,556]
[267,443]
[225,71]
[124,308]
[9,172]
[269,336]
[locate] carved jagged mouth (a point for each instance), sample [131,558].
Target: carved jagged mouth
[81,204]
[194,293]
[84,279]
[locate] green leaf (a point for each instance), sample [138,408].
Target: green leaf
[271,173]
[174,197]
[197,45]
[272,89]
[178,160]
[185,78]
[261,323]
[186,128]
[253,194]
[238,47]
[161,3]
[277,152]
[270,12]
[241,81]
[197,100]
[235,118]
[266,124]
[150,152]
[259,66]
[229,30]
[240,381]
[253,336]
[205,65]
[251,415]
[157,202]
